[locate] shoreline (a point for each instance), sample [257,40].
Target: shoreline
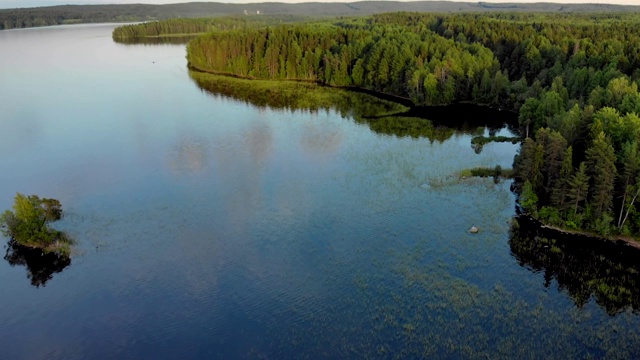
[415,110]
[580,234]
[439,114]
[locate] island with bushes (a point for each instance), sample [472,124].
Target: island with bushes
[28,225]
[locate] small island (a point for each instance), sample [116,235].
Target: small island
[28,225]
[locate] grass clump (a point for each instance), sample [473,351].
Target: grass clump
[483,140]
[496,172]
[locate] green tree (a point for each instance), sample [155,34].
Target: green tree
[529,115]
[28,223]
[602,169]
[630,171]
[578,188]
[529,198]
[554,151]
[560,191]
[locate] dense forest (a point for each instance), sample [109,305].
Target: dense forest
[177,27]
[573,79]
[71,14]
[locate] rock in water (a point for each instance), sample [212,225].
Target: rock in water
[474,230]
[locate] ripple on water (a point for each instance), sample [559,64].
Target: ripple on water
[210,227]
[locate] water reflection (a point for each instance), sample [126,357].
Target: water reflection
[295,96]
[189,155]
[258,139]
[582,267]
[410,127]
[382,116]
[40,266]
[320,141]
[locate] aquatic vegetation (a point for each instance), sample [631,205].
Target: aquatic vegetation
[483,140]
[405,126]
[380,115]
[496,173]
[281,232]
[294,95]
[408,305]
[478,142]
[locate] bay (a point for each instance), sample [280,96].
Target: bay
[217,224]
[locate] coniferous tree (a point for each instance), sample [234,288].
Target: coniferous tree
[578,188]
[560,192]
[555,148]
[602,169]
[630,171]
[583,93]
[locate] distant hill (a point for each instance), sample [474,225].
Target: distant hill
[70,14]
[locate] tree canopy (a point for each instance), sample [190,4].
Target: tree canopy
[28,226]
[572,78]
[71,14]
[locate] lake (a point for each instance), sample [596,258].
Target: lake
[218,222]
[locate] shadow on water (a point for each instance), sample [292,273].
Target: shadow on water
[381,115]
[40,266]
[466,116]
[583,267]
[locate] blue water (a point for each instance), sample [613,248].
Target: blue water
[207,227]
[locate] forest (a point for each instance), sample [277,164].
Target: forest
[572,78]
[178,27]
[73,14]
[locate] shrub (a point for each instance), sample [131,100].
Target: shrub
[28,223]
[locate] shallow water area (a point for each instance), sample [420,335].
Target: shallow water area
[211,226]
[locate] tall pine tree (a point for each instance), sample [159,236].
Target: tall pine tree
[602,169]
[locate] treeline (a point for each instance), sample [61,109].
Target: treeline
[578,166]
[411,63]
[65,14]
[573,79]
[174,27]
[72,14]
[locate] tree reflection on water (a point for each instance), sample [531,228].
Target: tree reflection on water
[40,266]
[380,114]
[583,267]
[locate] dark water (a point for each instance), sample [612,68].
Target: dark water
[213,223]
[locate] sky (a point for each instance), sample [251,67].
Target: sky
[29,3]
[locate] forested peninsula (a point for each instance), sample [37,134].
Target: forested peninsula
[572,78]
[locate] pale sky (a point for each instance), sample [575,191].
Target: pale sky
[29,3]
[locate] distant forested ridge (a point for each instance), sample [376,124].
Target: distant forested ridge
[69,14]
[573,79]
[177,27]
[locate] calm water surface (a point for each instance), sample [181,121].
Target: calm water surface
[214,228]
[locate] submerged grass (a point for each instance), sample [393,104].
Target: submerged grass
[483,172]
[483,140]
[411,300]
[295,95]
